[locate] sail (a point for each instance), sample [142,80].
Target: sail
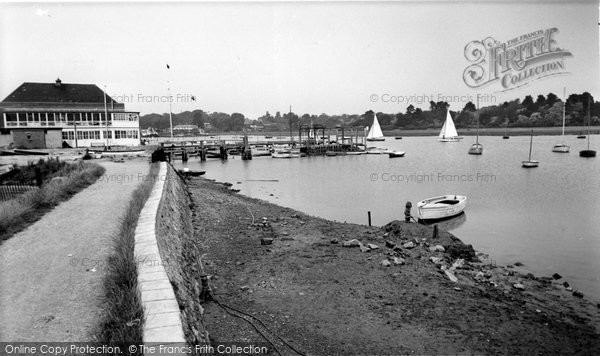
[448,130]
[375,131]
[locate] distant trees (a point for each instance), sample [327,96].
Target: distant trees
[546,110]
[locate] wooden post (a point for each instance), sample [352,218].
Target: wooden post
[202,152]
[369,215]
[435,231]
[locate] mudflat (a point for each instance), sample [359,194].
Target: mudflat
[326,298]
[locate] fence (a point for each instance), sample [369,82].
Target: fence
[11,191]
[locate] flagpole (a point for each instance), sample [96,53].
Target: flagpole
[106,117]
[170,114]
[170,104]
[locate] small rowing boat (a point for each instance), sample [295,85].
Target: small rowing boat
[441,207]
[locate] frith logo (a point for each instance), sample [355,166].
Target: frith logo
[515,63]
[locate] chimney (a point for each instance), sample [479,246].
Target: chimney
[57,83]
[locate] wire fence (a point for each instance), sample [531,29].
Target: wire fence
[11,191]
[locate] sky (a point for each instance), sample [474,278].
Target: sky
[318,57]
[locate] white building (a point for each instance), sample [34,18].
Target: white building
[80,110]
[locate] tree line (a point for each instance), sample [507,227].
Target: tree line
[543,111]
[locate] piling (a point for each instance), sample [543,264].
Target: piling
[202,152]
[369,215]
[435,231]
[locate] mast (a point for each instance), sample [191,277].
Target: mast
[477,140]
[589,120]
[291,136]
[564,107]
[530,144]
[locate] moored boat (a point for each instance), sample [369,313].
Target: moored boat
[286,153]
[588,153]
[395,154]
[561,147]
[375,133]
[282,154]
[375,151]
[188,172]
[441,207]
[530,163]
[476,149]
[448,132]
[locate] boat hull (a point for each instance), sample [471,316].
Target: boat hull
[560,148]
[376,139]
[441,207]
[530,164]
[476,149]
[396,154]
[449,139]
[587,153]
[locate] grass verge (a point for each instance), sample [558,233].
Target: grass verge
[16,214]
[123,319]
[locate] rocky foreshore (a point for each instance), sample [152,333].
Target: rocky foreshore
[335,288]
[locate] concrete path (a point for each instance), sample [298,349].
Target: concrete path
[51,274]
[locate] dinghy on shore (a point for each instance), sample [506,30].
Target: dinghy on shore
[441,207]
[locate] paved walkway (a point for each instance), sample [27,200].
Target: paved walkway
[51,274]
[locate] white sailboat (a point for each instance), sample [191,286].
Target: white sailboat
[448,132]
[562,147]
[375,133]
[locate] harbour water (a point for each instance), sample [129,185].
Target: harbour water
[545,217]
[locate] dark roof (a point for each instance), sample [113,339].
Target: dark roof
[57,92]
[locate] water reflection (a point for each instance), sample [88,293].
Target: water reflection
[451,223]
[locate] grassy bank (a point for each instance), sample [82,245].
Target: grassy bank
[18,213]
[123,317]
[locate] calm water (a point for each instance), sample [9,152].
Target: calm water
[546,217]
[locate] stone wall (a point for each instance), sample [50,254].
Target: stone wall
[174,232]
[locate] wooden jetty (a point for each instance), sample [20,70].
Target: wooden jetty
[313,140]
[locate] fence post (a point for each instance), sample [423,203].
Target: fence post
[38,177]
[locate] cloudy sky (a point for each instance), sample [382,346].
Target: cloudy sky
[319,57]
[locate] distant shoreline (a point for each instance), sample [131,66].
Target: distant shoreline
[497,131]
[390,134]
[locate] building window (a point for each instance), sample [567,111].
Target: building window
[11,119]
[107,134]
